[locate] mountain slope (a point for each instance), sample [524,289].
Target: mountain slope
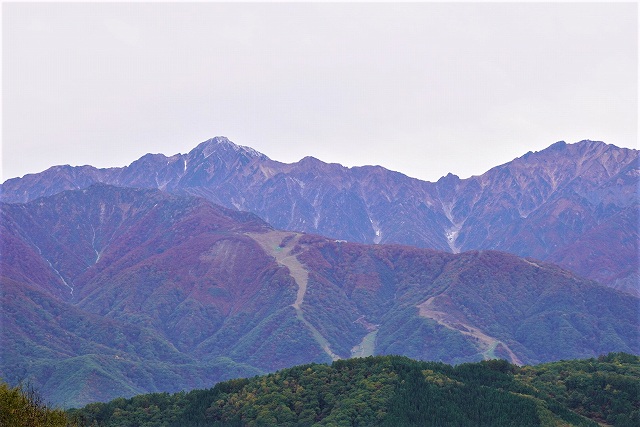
[75,357]
[127,290]
[571,204]
[146,277]
[530,310]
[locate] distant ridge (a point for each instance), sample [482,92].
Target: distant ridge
[572,204]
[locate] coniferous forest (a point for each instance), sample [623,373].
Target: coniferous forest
[397,391]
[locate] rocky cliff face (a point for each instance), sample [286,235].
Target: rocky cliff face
[572,204]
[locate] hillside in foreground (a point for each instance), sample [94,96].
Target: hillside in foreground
[396,391]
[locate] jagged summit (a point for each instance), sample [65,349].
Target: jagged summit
[223,144]
[584,145]
[592,143]
[558,145]
[311,162]
[449,177]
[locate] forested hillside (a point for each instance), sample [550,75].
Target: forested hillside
[397,391]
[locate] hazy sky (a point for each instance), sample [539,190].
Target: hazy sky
[421,88]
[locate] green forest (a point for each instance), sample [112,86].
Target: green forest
[375,391]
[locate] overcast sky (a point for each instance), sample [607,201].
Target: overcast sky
[421,88]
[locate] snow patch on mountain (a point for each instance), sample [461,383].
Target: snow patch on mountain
[54,269]
[93,245]
[378,231]
[213,144]
[451,233]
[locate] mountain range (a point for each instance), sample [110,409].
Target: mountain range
[177,272]
[574,205]
[110,291]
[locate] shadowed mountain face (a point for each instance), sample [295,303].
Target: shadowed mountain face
[571,204]
[111,292]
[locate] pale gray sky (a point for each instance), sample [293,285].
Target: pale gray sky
[421,88]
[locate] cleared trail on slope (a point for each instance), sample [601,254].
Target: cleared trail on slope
[489,343]
[279,244]
[367,345]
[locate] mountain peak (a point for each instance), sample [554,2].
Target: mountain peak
[586,147]
[449,182]
[557,146]
[223,144]
[591,142]
[310,160]
[589,145]
[449,178]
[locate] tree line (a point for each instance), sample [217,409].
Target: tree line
[375,391]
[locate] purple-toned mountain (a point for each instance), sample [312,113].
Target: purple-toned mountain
[111,291]
[572,204]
